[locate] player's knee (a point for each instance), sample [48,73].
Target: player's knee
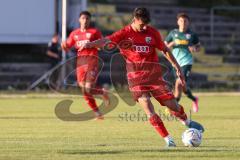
[188,91]
[178,98]
[178,81]
[171,104]
[87,90]
[144,99]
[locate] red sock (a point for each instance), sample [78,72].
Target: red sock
[181,114]
[157,123]
[97,91]
[91,101]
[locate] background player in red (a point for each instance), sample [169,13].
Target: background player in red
[87,61]
[144,72]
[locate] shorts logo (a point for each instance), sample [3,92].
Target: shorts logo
[148,39]
[88,35]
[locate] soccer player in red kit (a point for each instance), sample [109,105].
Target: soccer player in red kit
[143,71]
[87,61]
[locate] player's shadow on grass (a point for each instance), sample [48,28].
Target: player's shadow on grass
[182,150]
[86,152]
[163,150]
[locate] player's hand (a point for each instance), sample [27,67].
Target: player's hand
[64,46]
[85,45]
[57,56]
[182,79]
[194,48]
[170,44]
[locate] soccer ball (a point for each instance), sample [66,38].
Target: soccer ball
[192,137]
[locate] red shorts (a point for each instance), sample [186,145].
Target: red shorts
[87,68]
[148,81]
[160,92]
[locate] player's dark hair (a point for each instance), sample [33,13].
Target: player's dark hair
[143,14]
[183,15]
[85,13]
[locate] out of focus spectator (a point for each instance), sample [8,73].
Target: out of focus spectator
[54,51]
[54,54]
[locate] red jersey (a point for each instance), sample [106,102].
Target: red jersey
[77,38]
[141,58]
[144,44]
[143,69]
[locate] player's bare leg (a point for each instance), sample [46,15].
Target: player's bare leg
[102,91]
[105,96]
[178,111]
[178,90]
[147,105]
[155,120]
[193,98]
[178,93]
[86,90]
[96,90]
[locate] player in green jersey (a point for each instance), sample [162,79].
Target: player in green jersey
[183,43]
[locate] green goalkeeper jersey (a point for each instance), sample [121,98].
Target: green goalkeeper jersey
[182,41]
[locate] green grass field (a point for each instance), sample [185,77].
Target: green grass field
[31,130]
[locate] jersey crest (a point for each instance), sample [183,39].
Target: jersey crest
[188,36]
[148,39]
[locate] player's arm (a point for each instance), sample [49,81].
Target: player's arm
[98,35]
[195,44]
[167,53]
[116,37]
[195,48]
[95,44]
[169,42]
[50,51]
[67,45]
[52,54]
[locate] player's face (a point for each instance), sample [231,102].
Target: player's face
[139,25]
[84,21]
[183,23]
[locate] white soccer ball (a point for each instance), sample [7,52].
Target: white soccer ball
[192,137]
